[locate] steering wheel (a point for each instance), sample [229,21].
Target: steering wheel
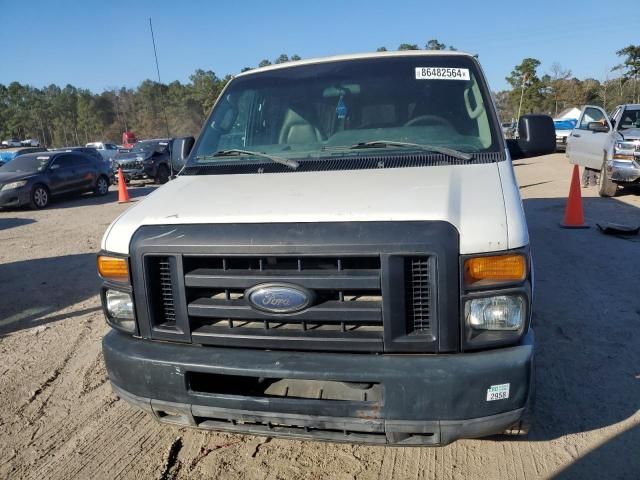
[433,119]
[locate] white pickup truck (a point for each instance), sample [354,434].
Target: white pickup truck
[106,150]
[610,144]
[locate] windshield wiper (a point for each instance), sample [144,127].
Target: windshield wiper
[428,148]
[234,152]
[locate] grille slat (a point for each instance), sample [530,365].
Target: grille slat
[419,294]
[366,279]
[166,287]
[329,312]
[162,291]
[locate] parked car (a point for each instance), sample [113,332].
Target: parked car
[8,154]
[12,142]
[107,150]
[30,142]
[609,144]
[148,159]
[89,151]
[343,257]
[563,129]
[34,178]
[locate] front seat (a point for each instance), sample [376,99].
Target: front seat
[296,130]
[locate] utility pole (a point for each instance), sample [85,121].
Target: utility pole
[155,53]
[524,79]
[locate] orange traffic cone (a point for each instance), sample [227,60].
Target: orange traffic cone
[573,214]
[123,195]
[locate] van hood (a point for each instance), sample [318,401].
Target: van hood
[468,196]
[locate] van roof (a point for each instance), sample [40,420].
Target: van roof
[356,56]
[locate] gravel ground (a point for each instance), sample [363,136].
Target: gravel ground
[59,418]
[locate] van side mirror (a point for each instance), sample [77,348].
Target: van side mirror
[536,136]
[598,127]
[180,150]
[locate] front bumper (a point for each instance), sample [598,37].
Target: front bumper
[624,171]
[561,143]
[137,173]
[15,197]
[425,400]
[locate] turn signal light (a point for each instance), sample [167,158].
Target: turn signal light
[113,268]
[495,269]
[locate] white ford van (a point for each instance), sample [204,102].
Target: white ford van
[343,257]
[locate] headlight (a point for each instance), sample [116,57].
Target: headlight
[500,312]
[624,150]
[120,313]
[14,185]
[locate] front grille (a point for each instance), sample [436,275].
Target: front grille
[418,291]
[134,165]
[347,305]
[374,287]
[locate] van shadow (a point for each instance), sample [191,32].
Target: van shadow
[586,319]
[33,289]
[616,458]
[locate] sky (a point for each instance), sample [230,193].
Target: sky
[104,44]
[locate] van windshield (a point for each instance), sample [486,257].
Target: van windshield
[319,109]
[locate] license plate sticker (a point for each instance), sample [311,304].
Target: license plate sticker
[442,73]
[498,392]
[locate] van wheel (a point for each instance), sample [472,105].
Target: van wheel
[39,197]
[606,187]
[162,176]
[102,186]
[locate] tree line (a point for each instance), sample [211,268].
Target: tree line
[558,88]
[64,116]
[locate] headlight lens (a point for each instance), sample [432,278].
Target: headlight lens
[624,150]
[14,185]
[119,307]
[500,312]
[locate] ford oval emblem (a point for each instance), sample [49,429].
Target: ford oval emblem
[279,297]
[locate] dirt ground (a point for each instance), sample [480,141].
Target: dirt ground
[59,418]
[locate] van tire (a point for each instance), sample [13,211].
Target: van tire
[606,187]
